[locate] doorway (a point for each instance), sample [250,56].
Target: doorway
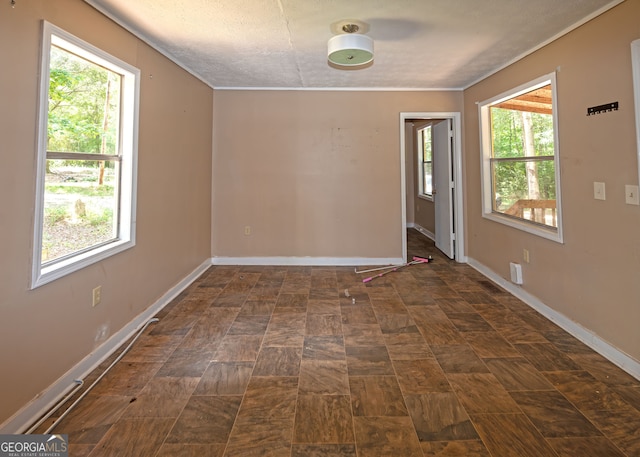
[447,198]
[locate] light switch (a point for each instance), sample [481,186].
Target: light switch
[631,195]
[598,191]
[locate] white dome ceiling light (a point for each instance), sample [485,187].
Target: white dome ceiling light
[350,49]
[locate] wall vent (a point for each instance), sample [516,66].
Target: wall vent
[516,273]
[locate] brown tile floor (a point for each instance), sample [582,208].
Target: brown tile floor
[432,360]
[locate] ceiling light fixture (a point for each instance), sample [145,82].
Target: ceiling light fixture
[350,49]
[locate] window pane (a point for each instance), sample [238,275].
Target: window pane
[84,105]
[79,212]
[428,178]
[523,126]
[526,189]
[427,145]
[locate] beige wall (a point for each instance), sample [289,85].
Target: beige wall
[315,174]
[593,277]
[425,214]
[45,332]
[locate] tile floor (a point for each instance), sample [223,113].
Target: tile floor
[432,360]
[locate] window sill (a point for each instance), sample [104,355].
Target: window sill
[49,273]
[425,197]
[529,227]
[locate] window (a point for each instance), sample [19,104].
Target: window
[425,162]
[85,208]
[520,167]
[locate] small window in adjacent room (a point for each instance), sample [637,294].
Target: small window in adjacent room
[520,166]
[425,162]
[88,117]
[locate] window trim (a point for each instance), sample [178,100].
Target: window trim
[488,212]
[420,149]
[43,274]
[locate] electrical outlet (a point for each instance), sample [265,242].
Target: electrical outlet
[247,230]
[525,255]
[598,191]
[97,296]
[631,195]
[103,333]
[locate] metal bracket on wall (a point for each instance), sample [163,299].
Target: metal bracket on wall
[602,108]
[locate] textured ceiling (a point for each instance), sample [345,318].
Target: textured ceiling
[419,44]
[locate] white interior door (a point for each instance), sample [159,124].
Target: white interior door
[444,186]
[455,220]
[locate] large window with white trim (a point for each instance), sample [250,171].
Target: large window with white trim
[87,141]
[520,167]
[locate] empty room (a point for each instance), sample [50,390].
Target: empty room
[320,228]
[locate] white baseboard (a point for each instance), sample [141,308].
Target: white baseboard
[46,399]
[424,231]
[307,261]
[610,352]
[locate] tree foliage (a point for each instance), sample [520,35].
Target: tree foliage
[77,105]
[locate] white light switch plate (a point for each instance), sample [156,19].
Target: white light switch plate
[631,195]
[598,191]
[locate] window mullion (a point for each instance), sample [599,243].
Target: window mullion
[522,159]
[82,156]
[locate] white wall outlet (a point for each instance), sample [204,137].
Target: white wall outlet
[97,296]
[516,273]
[631,195]
[247,230]
[598,191]
[103,333]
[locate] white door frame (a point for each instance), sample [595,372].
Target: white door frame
[458,225]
